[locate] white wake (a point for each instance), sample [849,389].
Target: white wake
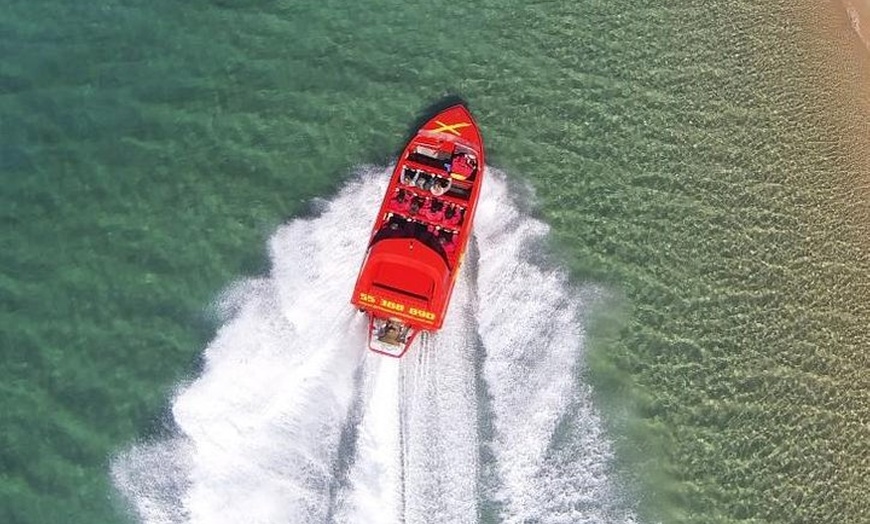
[291,420]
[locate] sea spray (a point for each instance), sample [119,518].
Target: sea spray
[417,458]
[530,322]
[258,431]
[292,420]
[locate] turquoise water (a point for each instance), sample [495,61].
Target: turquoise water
[707,164]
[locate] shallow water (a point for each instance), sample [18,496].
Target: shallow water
[705,166]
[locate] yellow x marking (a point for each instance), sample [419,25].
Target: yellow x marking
[450,128]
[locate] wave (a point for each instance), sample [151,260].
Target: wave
[292,420]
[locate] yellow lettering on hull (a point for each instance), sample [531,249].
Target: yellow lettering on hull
[421,313]
[389,304]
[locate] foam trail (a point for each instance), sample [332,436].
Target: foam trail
[374,490]
[259,430]
[292,420]
[530,324]
[418,448]
[440,417]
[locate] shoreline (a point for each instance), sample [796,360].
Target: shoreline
[859,16]
[856,54]
[839,35]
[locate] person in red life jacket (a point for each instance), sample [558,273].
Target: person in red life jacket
[453,216]
[435,211]
[416,205]
[448,242]
[400,202]
[463,165]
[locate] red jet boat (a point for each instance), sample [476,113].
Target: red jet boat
[421,232]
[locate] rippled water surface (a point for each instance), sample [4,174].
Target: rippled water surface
[168,174]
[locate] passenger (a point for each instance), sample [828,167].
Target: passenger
[409,176]
[395,222]
[448,241]
[441,186]
[416,205]
[400,202]
[453,216]
[435,211]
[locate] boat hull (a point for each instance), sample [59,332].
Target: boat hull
[422,230]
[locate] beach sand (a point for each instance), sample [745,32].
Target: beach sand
[857,48]
[838,35]
[859,17]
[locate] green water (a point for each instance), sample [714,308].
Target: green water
[700,160]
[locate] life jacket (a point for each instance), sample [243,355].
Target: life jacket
[449,245]
[461,168]
[455,220]
[416,205]
[400,206]
[434,216]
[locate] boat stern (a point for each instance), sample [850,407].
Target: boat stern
[390,336]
